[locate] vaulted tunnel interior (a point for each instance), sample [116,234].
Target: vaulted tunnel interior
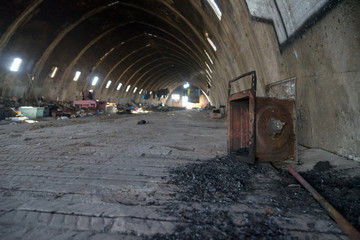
[152,45]
[122,49]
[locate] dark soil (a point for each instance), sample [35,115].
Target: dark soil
[340,190]
[225,181]
[218,180]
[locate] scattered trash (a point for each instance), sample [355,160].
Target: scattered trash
[269,211]
[31,121]
[182,148]
[142,122]
[17,119]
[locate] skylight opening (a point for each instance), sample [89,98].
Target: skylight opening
[108,84]
[208,73]
[209,57]
[112,4]
[77,76]
[128,88]
[148,45]
[119,86]
[135,90]
[16,65]
[150,92]
[53,72]
[175,97]
[140,91]
[94,81]
[208,67]
[207,97]
[211,43]
[216,8]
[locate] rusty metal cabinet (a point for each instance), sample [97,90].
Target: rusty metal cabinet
[260,128]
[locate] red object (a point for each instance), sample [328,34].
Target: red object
[241,120]
[260,128]
[85,103]
[57,113]
[101,105]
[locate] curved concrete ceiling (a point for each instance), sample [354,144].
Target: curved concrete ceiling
[119,40]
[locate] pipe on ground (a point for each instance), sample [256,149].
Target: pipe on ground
[339,219]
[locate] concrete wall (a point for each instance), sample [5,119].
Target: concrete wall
[325,59]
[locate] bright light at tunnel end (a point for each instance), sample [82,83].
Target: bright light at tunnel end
[175,97]
[186,85]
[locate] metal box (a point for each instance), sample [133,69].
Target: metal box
[260,128]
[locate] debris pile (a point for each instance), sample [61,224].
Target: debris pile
[338,188]
[222,179]
[219,182]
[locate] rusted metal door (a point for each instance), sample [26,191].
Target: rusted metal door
[241,121]
[275,135]
[260,128]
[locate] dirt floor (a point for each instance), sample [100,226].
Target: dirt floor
[105,177]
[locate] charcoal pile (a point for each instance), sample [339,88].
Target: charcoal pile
[211,185]
[340,190]
[222,179]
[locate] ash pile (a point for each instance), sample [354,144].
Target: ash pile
[208,194]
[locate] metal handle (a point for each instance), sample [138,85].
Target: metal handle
[253,81]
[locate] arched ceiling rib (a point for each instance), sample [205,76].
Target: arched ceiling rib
[130,41]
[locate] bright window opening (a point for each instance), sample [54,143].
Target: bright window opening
[16,65]
[114,3]
[208,67]
[140,91]
[208,73]
[207,97]
[175,97]
[108,84]
[119,86]
[128,88]
[186,85]
[211,43]
[94,81]
[209,57]
[148,45]
[53,71]
[216,8]
[135,90]
[77,76]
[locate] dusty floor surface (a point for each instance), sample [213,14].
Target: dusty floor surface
[107,178]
